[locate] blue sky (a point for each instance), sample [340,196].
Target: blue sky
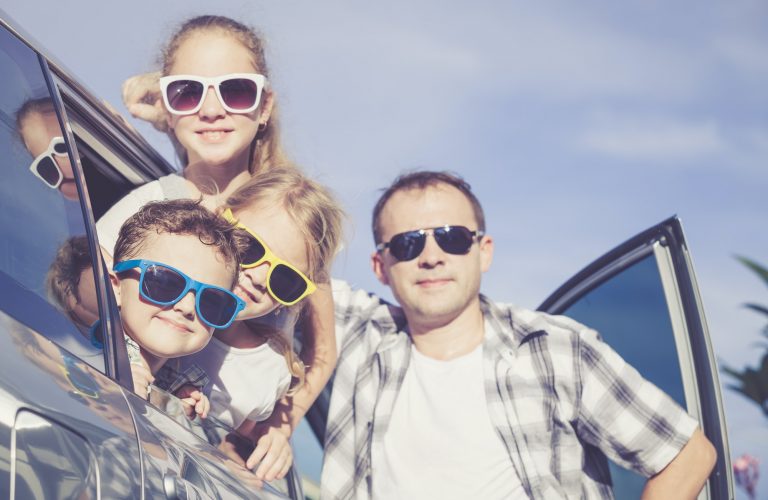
[578,124]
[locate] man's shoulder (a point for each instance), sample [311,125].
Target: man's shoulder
[522,322]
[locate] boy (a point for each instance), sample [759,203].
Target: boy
[175,264]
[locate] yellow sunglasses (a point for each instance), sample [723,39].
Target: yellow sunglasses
[285,283]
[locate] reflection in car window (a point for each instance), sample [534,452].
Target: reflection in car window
[45,250]
[631,314]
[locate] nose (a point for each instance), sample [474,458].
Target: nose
[186,305]
[432,255]
[211,108]
[256,276]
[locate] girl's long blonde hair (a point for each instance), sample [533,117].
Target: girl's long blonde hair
[320,220]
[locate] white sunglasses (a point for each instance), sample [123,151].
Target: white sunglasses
[237,92]
[45,168]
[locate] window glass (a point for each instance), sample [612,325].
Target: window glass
[44,255]
[631,314]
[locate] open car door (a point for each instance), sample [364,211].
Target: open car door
[643,299]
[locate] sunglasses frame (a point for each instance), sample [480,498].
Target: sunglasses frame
[273,261]
[474,236]
[190,285]
[49,153]
[215,82]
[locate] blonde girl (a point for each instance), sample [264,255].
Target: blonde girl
[289,228]
[213,98]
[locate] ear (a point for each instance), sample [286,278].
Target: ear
[486,252]
[115,286]
[265,109]
[377,264]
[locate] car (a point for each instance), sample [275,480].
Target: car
[70,422]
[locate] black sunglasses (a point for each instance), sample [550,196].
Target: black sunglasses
[456,240]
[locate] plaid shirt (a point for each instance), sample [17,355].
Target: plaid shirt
[559,398]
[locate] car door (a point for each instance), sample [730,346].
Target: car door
[643,298]
[66,429]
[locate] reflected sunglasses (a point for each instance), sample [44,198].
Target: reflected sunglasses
[164,285]
[456,240]
[45,168]
[237,92]
[285,283]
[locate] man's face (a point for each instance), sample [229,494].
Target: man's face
[174,330]
[435,287]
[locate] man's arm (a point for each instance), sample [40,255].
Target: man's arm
[685,475]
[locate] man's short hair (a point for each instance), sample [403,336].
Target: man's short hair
[422,179]
[181,217]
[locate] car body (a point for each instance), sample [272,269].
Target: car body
[70,423]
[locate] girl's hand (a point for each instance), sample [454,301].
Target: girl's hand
[273,455]
[196,403]
[141,95]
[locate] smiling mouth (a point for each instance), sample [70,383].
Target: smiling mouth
[175,325]
[213,135]
[245,294]
[433,282]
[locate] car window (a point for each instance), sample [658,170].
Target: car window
[45,256]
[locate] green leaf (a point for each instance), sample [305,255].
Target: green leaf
[754,266]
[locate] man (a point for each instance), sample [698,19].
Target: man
[468,398]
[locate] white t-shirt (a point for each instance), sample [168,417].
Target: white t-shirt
[245,383]
[108,226]
[440,442]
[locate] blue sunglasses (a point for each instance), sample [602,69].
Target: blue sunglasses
[164,285]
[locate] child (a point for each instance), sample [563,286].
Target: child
[291,228]
[175,266]
[218,110]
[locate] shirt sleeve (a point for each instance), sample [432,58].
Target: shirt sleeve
[631,420]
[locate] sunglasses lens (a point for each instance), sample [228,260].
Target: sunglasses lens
[162,285]
[184,95]
[49,171]
[286,284]
[407,246]
[60,148]
[238,93]
[217,307]
[455,240]
[253,252]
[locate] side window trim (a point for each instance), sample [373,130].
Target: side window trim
[115,355]
[680,330]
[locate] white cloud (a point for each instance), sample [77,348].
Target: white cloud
[656,138]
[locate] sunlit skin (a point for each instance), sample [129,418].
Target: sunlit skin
[37,130]
[436,288]
[175,330]
[217,142]
[272,223]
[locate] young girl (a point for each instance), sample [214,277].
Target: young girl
[214,100]
[218,108]
[289,228]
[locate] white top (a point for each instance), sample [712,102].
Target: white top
[108,226]
[245,383]
[440,442]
